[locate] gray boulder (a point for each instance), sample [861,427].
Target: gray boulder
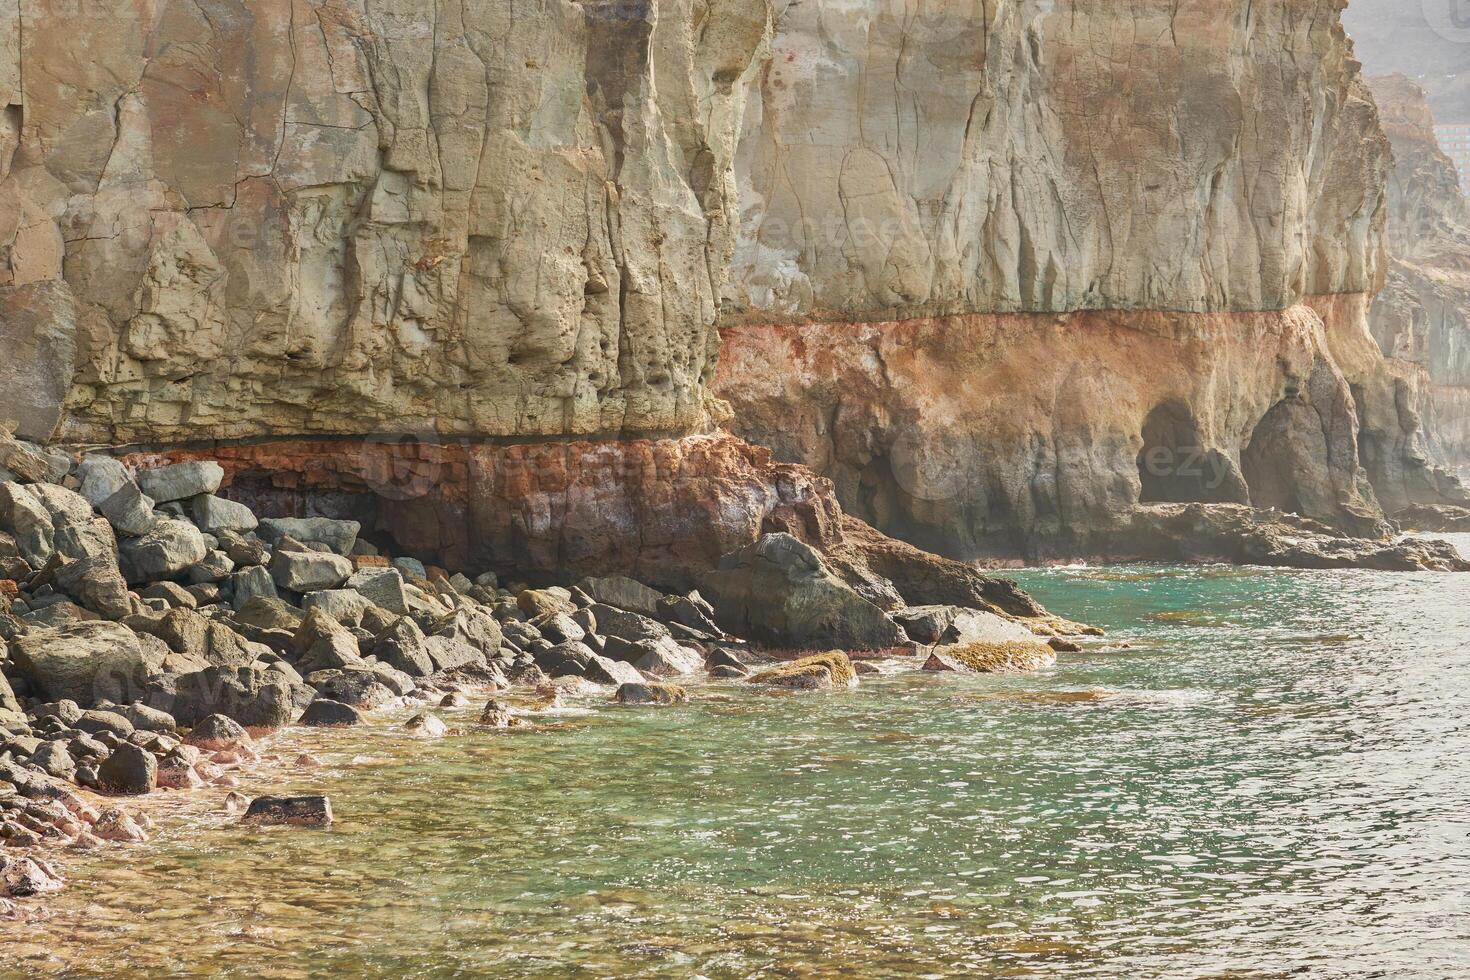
[258,696]
[451,653]
[339,536]
[129,510]
[94,539]
[216,567]
[780,591]
[326,713]
[25,519]
[689,611]
[666,658]
[344,605]
[180,481]
[622,592]
[168,548]
[251,583]
[214,514]
[99,477]
[129,770]
[309,571]
[411,567]
[357,686]
[66,507]
[382,587]
[54,758]
[404,647]
[87,662]
[96,584]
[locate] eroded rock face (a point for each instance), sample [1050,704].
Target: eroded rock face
[250,218]
[1422,317]
[1005,293]
[954,157]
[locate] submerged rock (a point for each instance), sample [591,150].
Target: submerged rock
[820,672]
[651,692]
[427,725]
[992,657]
[294,811]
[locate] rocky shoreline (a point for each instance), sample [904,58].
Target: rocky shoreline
[155,630]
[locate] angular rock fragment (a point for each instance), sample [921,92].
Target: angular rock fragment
[214,514]
[167,549]
[309,571]
[338,536]
[181,481]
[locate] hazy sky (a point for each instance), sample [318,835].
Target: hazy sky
[1428,40]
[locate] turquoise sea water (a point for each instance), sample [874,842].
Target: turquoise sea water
[1273,780]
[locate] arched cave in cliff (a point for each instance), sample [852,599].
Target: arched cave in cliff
[1175,467]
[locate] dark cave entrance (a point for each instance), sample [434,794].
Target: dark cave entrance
[1175,466]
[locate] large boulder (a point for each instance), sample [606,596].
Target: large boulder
[622,592]
[666,658]
[94,539]
[339,536]
[382,587]
[344,605]
[168,549]
[96,584]
[474,627]
[99,477]
[180,481]
[25,519]
[66,507]
[129,770]
[258,696]
[254,582]
[309,571]
[214,514]
[820,672]
[780,591]
[87,662]
[129,510]
[326,713]
[404,646]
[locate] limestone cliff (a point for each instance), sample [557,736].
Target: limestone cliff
[255,217]
[1002,269]
[1422,317]
[1008,272]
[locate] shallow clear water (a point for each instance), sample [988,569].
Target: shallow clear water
[1275,779]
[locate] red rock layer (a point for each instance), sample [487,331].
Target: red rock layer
[658,509]
[991,435]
